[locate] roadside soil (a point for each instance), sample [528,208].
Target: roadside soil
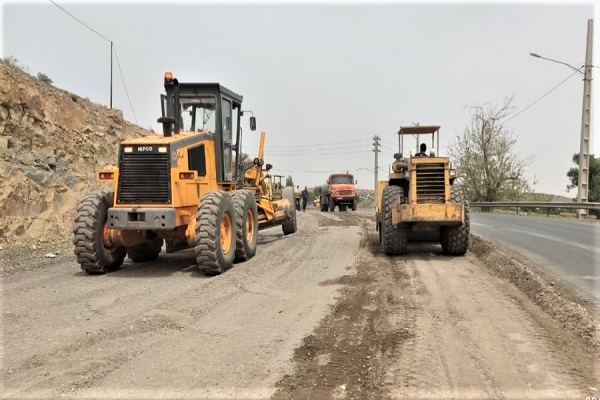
[318,314]
[426,326]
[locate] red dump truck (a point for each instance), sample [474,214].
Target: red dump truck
[339,191]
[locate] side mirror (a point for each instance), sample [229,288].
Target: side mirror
[252,123]
[356,182]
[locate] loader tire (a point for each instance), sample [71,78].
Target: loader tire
[354,204]
[246,221]
[146,251]
[290,224]
[393,238]
[215,233]
[455,239]
[90,221]
[331,205]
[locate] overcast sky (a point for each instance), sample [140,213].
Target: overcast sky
[323,79]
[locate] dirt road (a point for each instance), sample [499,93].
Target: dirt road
[318,314]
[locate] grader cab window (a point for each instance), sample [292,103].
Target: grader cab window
[198,114]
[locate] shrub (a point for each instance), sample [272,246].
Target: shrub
[44,78]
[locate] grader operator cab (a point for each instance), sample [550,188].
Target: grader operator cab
[189,188]
[420,196]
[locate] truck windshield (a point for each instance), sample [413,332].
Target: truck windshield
[336,179]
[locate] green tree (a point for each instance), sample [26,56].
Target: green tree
[485,157]
[289,181]
[593,179]
[44,78]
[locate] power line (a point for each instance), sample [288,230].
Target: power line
[82,23]
[310,151]
[546,94]
[312,145]
[267,154]
[124,85]
[113,50]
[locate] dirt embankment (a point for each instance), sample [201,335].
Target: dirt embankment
[51,144]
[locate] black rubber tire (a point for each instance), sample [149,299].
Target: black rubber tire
[290,224]
[211,258]
[343,207]
[393,238]
[331,205]
[146,251]
[354,204]
[324,205]
[246,222]
[92,255]
[455,239]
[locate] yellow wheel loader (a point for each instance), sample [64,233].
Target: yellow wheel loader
[188,188]
[421,199]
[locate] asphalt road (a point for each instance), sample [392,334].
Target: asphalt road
[570,249]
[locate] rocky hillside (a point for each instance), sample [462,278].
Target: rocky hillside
[52,142]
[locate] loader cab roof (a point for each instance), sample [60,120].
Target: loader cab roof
[418,130]
[428,135]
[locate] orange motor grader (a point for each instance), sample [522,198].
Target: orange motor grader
[189,188]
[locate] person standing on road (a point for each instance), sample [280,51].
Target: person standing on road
[304,198]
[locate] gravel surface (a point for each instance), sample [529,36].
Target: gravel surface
[318,314]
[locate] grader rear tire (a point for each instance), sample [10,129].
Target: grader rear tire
[455,239]
[393,238]
[88,235]
[215,233]
[246,219]
[290,224]
[146,251]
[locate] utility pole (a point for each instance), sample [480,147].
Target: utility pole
[376,140]
[111,73]
[584,149]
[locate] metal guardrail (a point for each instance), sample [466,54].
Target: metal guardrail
[534,204]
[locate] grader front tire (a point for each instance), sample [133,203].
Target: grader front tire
[88,235]
[290,224]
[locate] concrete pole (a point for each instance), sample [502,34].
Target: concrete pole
[376,150]
[584,149]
